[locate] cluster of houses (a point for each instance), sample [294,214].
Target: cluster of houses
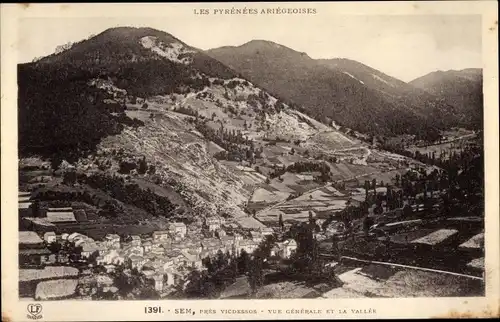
[167,256]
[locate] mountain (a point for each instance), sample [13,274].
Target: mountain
[350,93]
[391,87]
[54,92]
[140,56]
[135,109]
[460,88]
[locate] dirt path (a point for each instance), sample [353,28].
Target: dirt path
[450,141]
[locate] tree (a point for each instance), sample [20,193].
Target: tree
[221,260]
[148,293]
[151,169]
[55,248]
[407,210]
[367,223]
[209,289]
[75,253]
[36,208]
[335,246]
[126,167]
[364,207]
[143,166]
[280,222]
[306,256]
[255,274]
[378,210]
[397,179]
[109,209]
[105,296]
[312,221]
[243,262]
[55,162]
[367,188]
[194,286]
[69,177]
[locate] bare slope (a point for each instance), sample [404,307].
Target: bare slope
[132,98]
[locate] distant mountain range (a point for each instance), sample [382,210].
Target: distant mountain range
[132,97]
[462,89]
[58,108]
[343,90]
[139,96]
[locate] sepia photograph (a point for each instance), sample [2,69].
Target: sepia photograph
[161,158]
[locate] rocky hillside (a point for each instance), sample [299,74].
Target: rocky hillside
[58,110]
[347,92]
[460,88]
[139,106]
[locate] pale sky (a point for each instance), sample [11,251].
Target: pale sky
[405,47]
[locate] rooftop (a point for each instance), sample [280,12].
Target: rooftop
[474,242]
[55,289]
[60,217]
[24,205]
[136,257]
[89,247]
[290,242]
[436,237]
[178,224]
[47,273]
[39,221]
[29,237]
[34,251]
[160,232]
[477,263]
[60,209]
[24,198]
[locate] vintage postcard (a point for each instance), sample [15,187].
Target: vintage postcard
[220,161]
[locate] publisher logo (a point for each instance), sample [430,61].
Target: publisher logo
[34,311]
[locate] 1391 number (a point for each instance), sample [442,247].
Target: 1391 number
[152,309]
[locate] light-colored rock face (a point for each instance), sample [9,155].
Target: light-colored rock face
[172,51]
[63,48]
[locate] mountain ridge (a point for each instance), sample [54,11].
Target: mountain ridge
[461,88]
[332,94]
[130,105]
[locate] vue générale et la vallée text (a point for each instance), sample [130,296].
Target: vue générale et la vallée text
[255,11]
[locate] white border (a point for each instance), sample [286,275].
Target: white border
[13,309]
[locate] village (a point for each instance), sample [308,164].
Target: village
[59,258]
[164,257]
[74,243]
